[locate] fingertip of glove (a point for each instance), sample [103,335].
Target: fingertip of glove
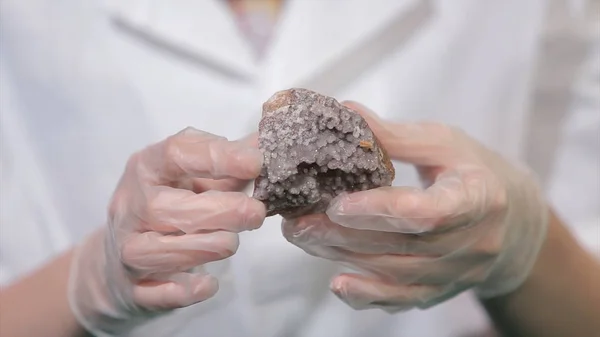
[339,285]
[250,160]
[206,288]
[255,213]
[338,204]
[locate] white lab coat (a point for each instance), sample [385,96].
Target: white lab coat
[86,83]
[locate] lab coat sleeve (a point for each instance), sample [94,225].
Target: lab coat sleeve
[30,229]
[574,189]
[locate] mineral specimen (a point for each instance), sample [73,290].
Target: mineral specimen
[314,149]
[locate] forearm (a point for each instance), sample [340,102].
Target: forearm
[561,296]
[37,305]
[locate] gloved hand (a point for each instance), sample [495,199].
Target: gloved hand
[478,223]
[174,209]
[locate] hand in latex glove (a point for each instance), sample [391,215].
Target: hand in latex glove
[174,210]
[478,223]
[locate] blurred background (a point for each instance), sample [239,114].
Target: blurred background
[84,84]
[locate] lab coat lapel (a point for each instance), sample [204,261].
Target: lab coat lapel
[202,32]
[322,45]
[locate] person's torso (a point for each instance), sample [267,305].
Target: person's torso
[95,83]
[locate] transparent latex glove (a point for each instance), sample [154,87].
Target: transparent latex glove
[176,208]
[478,223]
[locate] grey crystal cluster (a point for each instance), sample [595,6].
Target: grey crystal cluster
[314,149]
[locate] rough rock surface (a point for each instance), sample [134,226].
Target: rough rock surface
[314,149]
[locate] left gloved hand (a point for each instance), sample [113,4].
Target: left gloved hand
[479,223]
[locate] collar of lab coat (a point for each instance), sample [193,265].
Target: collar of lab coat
[317,44]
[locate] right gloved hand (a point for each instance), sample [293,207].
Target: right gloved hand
[174,209]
